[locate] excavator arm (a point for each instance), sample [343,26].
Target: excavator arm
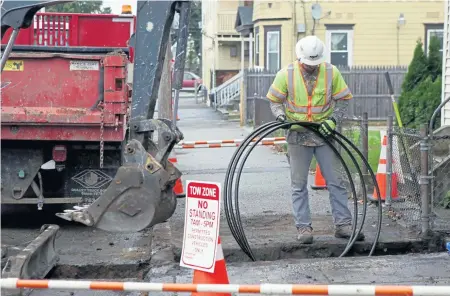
[141,194]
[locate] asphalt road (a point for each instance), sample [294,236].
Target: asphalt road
[264,195]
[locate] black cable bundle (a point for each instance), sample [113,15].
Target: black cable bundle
[234,219]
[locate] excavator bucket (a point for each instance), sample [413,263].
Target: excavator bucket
[33,262]
[141,195]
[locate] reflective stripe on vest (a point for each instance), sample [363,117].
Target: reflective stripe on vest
[277,93]
[298,92]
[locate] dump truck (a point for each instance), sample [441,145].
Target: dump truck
[78,101]
[65,104]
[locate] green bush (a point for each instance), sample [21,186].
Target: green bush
[421,89]
[417,70]
[434,59]
[427,96]
[445,203]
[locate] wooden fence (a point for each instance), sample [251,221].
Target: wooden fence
[368,85]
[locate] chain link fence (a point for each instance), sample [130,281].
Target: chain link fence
[440,173]
[418,177]
[355,131]
[403,168]
[402,164]
[396,156]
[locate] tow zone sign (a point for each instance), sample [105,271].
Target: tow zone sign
[201,227]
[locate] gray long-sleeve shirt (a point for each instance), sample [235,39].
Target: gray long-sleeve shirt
[306,137]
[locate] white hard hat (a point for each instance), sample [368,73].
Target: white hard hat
[310,50]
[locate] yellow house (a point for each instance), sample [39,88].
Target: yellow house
[355,32]
[222,45]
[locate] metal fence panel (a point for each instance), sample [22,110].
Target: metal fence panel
[406,171]
[440,171]
[407,163]
[262,113]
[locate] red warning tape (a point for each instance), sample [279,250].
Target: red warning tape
[228,143]
[312,290]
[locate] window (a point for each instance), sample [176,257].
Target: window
[187,76]
[257,49]
[233,51]
[248,3]
[434,30]
[340,44]
[273,50]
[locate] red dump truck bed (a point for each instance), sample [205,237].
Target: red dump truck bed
[55,76]
[51,95]
[77,29]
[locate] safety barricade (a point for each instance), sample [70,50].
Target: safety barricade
[279,289]
[228,143]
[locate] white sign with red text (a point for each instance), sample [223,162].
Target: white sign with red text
[201,227]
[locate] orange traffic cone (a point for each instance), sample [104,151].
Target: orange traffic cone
[219,276]
[381,177]
[319,181]
[178,188]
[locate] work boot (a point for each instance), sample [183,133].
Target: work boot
[305,235]
[345,231]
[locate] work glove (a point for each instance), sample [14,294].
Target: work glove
[282,119]
[327,127]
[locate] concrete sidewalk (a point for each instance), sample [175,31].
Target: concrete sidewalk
[265,198]
[428,269]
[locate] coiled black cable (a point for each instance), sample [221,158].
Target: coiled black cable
[228,182]
[234,221]
[265,132]
[377,189]
[241,230]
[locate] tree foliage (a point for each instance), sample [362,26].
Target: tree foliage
[434,58]
[80,7]
[417,70]
[195,34]
[426,96]
[421,89]
[193,59]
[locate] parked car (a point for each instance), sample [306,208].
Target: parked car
[189,81]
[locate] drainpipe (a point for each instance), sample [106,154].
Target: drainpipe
[242,54]
[294,25]
[214,73]
[250,49]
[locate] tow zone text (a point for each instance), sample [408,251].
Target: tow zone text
[201,225]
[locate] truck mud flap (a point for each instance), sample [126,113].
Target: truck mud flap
[33,262]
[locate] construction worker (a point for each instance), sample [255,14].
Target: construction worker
[312,90]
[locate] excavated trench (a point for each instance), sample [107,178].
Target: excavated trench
[168,261]
[167,256]
[327,247]
[92,254]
